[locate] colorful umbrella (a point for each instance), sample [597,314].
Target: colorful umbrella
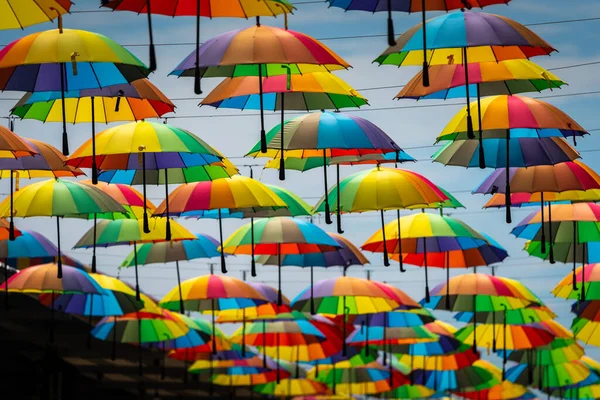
[107,233]
[252,52]
[381,189]
[72,59]
[408,392]
[558,351]
[345,256]
[550,376]
[208,8]
[485,79]
[52,279]
[211,294]
[32,12]
[467,378]
[325,134]
[534,199]
[503,390]
[566,287]
[461,38]
[423,233]
[514,317]
[267,311]
[141,146]
[571,223]
[279,236]
[203,246]
[445,345]
[589,388]
[58,198]
[237,192]
[293,387]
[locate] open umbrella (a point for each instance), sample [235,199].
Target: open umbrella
[423,233]
[199,8]
[550,376]
[591,280]
[203,246]
[127,232]
[279,236]
[71,60]
[31,12]
[463,38]
[126,102]
[503,390]
[326,135]
[52,279]
[571,223]
[345,256]
[211,294]
[144,146]
[237,192]
[485,79]
[381,189]
[59,198]
[261,51]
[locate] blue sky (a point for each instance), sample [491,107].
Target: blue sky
[414,127]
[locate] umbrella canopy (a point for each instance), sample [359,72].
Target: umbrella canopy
[292,337]
[345,256]
[468,378]
[550,376]
[559,351]
[522,152]
[567,176]
[519,316]
[48,162]
[279,236]
[308,163]
[128,197]
[98,62]
[12,146]
[591,280]
[160,145]
[126,102]
[31,12]
[509,337]
[535,199]
[172,175]
[293,387]
[423,233]
[43,279]
[116,299]
[450,34]
[312,91]
[523,116]
[586,329]
[485,79]
[503,390]
[446,343]
[443,362]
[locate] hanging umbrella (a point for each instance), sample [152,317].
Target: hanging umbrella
[486,79]
[52,279]
[571,223]
[58,198]
[117,299]
[589,388]
[371,378]
[172,175]
[32,12]
[534,199]
[468,378]
[237,192]
[203,246]
[267,51]
[381,189]
[503,390]
[141,327]
[293,387]
[423,233]
[463,38]
[410,7]
[279,236]
[120,232]
[144,146]
[210,9]
[519,316]
[550,376]
[591,280]
[126,102]
[72,60]
[408,392]
[225,349]
[267,311]
[558,351]
[347,296]
[313,91]
[326,135]
[292,337]
[211,294]
[345,256]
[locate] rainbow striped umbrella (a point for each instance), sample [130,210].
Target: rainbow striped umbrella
[279,236]
[550,376]
[71,58]
[501,390]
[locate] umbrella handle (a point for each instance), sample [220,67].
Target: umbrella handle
[223,266]
[94,164]
[181,306]
[312,291]
[400,260]
[152,66]
[470,133]
[279,295]
[168,223]
[390,24]
[425,66]
[93,247]
[253,262]
[281,149]
[386,259]
[63,84]
[481,152]
[197,88]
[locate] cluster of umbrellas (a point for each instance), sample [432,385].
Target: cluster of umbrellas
[339,337]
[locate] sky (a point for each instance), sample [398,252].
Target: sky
[413,128]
